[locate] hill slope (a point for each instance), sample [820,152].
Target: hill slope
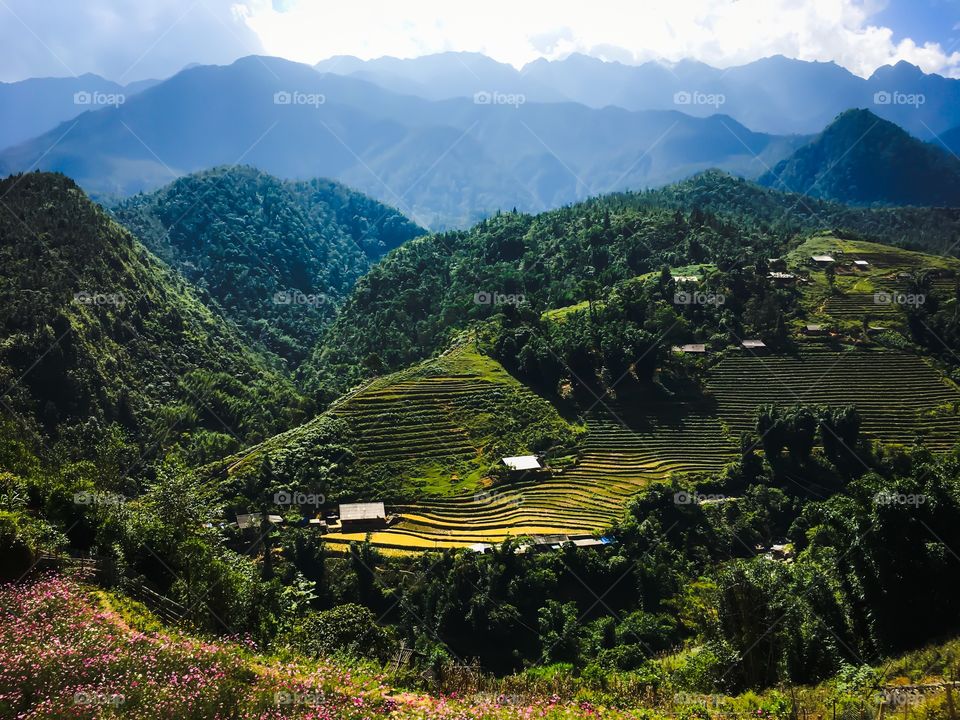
[95,327]
[861,159]
[277,257]
[411,303]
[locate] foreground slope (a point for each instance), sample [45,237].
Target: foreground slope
[277,257]
[95,328]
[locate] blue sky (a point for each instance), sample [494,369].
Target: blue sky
[128,40]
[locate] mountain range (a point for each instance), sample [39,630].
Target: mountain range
[441,163]
[775,95]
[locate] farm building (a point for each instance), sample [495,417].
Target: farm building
[362,516]
[822,259]
[522,463]
[861,264]
[815,330]
[253,520]
[782,278]
[695,348]
[753,345]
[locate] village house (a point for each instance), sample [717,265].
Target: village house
[359,517]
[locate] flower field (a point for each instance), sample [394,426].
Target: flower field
[66,652]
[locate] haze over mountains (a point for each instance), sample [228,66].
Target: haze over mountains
[774,95]
[448,139]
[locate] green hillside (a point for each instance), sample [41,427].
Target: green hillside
[438,428]
[278,257]
[862,159]
[412,303]
[97,331]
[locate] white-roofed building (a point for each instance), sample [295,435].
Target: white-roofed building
[520,463]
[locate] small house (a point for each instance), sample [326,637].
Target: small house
[356,517]
[685,278]
[694,348]
[253,520]
[860,264]
[822,260]
[522,463]
[782,278]
[753,345]
[815,330]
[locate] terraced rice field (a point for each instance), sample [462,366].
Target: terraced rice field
[625,450]
[900,397]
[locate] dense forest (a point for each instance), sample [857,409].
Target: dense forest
[411,303]
[277,257]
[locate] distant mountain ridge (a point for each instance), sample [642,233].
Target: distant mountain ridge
[776,94]
[862,159]
[31,107]
[441,163]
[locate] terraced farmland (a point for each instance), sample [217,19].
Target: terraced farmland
[900,397]
[626,448]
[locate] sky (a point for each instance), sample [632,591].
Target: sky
[126,40]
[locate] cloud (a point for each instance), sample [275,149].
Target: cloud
[125,40]
[718,32]
[122,41]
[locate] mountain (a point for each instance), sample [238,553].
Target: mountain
[31,107]
[96,330]
[442,76]
[949,140]
[861,159]
[277,257]
[442,163]
[776,94]
[418,297]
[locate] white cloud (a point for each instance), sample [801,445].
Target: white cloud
[122,40]
[719,32]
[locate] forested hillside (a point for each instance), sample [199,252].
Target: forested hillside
[863,160]
[410,303]
[277,257]
[96,331]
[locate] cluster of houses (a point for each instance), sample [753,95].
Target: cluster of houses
[349,517]
[544,543]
